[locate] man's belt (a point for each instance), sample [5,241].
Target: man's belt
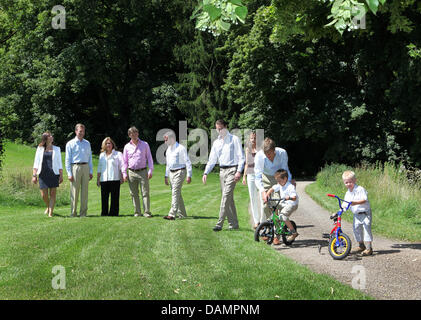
[137,170]
[228,167]
[175,170]
[80,163]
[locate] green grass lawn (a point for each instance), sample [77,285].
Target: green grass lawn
[146,258]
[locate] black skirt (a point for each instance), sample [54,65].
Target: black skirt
[47,177]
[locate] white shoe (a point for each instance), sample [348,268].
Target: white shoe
[136,214]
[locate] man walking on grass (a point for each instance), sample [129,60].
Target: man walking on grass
[228,152]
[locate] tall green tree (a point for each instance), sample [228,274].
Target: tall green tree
[112,67]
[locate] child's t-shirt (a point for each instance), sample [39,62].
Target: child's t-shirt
[358,193]
[287,190]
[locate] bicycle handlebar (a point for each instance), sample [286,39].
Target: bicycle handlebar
[270,199]
[275,200]
[339,201]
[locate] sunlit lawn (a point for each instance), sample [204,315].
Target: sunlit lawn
[130,257]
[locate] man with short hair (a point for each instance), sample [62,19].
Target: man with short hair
[136,158]
[267,161]
[78,163]
[228,152]
[178,165]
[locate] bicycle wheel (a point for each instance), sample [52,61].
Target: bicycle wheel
[265,232]
[285,233]
[339,249]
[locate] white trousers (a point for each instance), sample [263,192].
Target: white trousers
[254,199]
[362,227]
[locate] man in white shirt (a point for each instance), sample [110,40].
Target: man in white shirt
[267,161]
[228,152]
[178,165]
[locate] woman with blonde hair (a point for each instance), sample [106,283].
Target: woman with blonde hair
[109,177]
[48,169]
[251,150]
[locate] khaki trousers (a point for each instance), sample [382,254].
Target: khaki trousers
[177,203]
[268,182]
[136,178]
[80,184]
[227,209]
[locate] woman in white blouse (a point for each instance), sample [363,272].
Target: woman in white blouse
[48,170]
[109,177]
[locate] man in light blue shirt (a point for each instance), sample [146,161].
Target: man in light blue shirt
[226,150]
[79,169]
[267,161]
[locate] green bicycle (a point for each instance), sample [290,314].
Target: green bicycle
[274,226]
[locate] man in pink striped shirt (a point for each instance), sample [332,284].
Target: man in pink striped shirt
[136,158]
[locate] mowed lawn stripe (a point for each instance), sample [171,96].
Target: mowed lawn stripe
[129,257]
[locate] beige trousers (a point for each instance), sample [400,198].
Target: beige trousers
[227,209]
[136,178]
[80,184]
[268,182]
[177,203]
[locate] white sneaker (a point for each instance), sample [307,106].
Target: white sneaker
[136,214]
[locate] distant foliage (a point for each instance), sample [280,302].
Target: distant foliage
[325,96]
[1,151]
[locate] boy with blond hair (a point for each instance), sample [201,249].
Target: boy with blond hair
[287,191]
[360,207]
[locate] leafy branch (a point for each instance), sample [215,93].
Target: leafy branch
[345,13]
[216,16]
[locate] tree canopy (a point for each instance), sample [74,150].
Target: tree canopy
[324,91]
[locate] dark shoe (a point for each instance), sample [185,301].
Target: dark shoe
[147,215]
[169,218]
[233,228]
[217,228]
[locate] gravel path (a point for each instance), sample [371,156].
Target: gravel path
[392,272]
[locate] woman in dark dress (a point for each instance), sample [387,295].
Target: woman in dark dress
[49,171]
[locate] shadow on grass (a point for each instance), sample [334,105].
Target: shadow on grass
[131,215]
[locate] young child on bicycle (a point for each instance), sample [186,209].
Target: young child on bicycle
[287,192]
[360,207]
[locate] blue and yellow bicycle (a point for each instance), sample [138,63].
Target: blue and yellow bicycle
[339,242]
